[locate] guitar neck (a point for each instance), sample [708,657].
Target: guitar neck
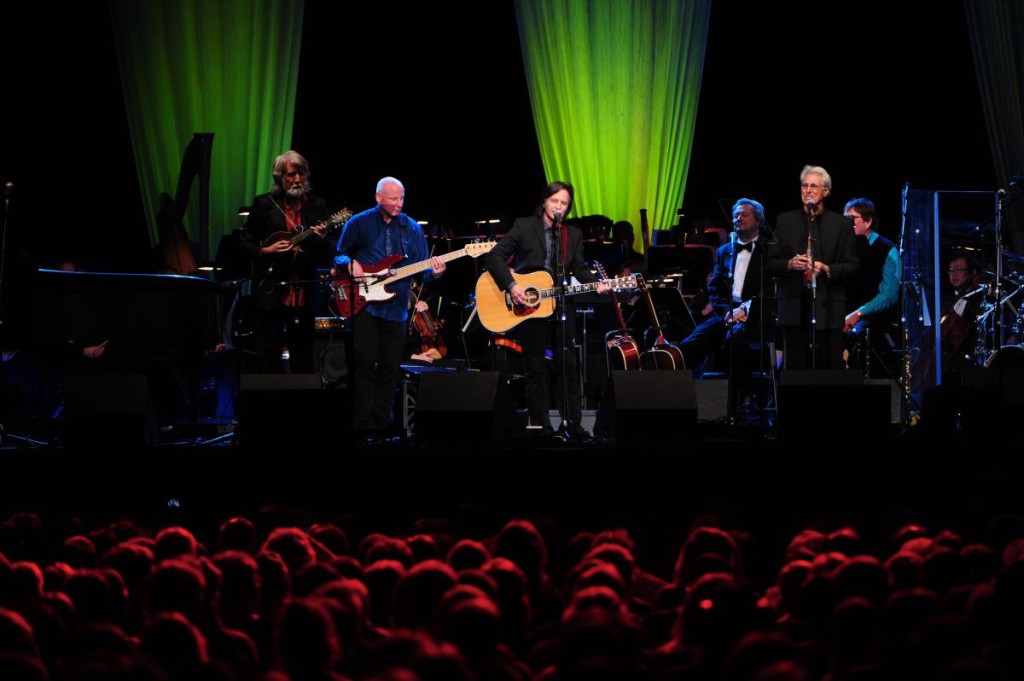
[645,291]
[301,236]
[615,300]
[572,290]
[417,267]
[339,218]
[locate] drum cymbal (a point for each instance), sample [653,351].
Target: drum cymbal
[1011,277]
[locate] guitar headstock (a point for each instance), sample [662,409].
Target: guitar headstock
[476,250]
[642,285]
[340,218]
[600,269]
[628,282]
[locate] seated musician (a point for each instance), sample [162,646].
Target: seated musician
[958,324]
[424,342]
[874,293]
[283,273]
[733,292]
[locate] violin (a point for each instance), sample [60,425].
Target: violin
[429,331]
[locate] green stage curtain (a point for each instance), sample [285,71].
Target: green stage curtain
[216,66]
[614,86]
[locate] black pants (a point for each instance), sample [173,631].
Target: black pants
[378,348]
[828,346]
[535,335]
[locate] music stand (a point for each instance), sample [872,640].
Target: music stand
[673,311]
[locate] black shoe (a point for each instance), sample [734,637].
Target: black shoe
[366,438]
[543,431]
[575,431]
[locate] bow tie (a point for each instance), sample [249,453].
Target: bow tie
[739,246]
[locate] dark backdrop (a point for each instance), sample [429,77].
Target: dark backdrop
[879,96]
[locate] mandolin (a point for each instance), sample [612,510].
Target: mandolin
[301,233]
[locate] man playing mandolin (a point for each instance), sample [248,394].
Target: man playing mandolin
[285,263]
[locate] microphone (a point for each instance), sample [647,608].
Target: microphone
[557,217]
[732,260]
[810,209]
[8,190]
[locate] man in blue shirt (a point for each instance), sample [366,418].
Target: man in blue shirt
[874,293]
[378,332]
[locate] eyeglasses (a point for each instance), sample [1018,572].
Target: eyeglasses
[959,269]
[855,217]
[810,186]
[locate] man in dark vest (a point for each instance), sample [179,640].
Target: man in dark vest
[874,292]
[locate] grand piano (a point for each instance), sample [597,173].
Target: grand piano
[171,309]
[162,331]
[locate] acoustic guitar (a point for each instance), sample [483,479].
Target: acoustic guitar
[498,313]
[662,354]
[623,351]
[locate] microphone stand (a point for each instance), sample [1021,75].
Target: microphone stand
[556,243]
[767,237]
[3,245]
[731,408]
[4,435]
[814,286]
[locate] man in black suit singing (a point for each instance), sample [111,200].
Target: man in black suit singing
[541,242]
[814,257]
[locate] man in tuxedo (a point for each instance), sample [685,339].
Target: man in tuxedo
[736,295]
[814,257]
[541,242]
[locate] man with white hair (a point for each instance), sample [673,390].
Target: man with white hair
[814,256]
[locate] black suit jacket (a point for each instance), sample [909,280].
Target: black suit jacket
[835,245]
[265,218]
[525,241]
[721,284]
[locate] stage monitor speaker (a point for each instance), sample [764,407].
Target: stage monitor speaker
[462,407]
[649,406]
[291,410]
[109,410]
[712,399]
[329,355]
[990,400]
[834,404]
